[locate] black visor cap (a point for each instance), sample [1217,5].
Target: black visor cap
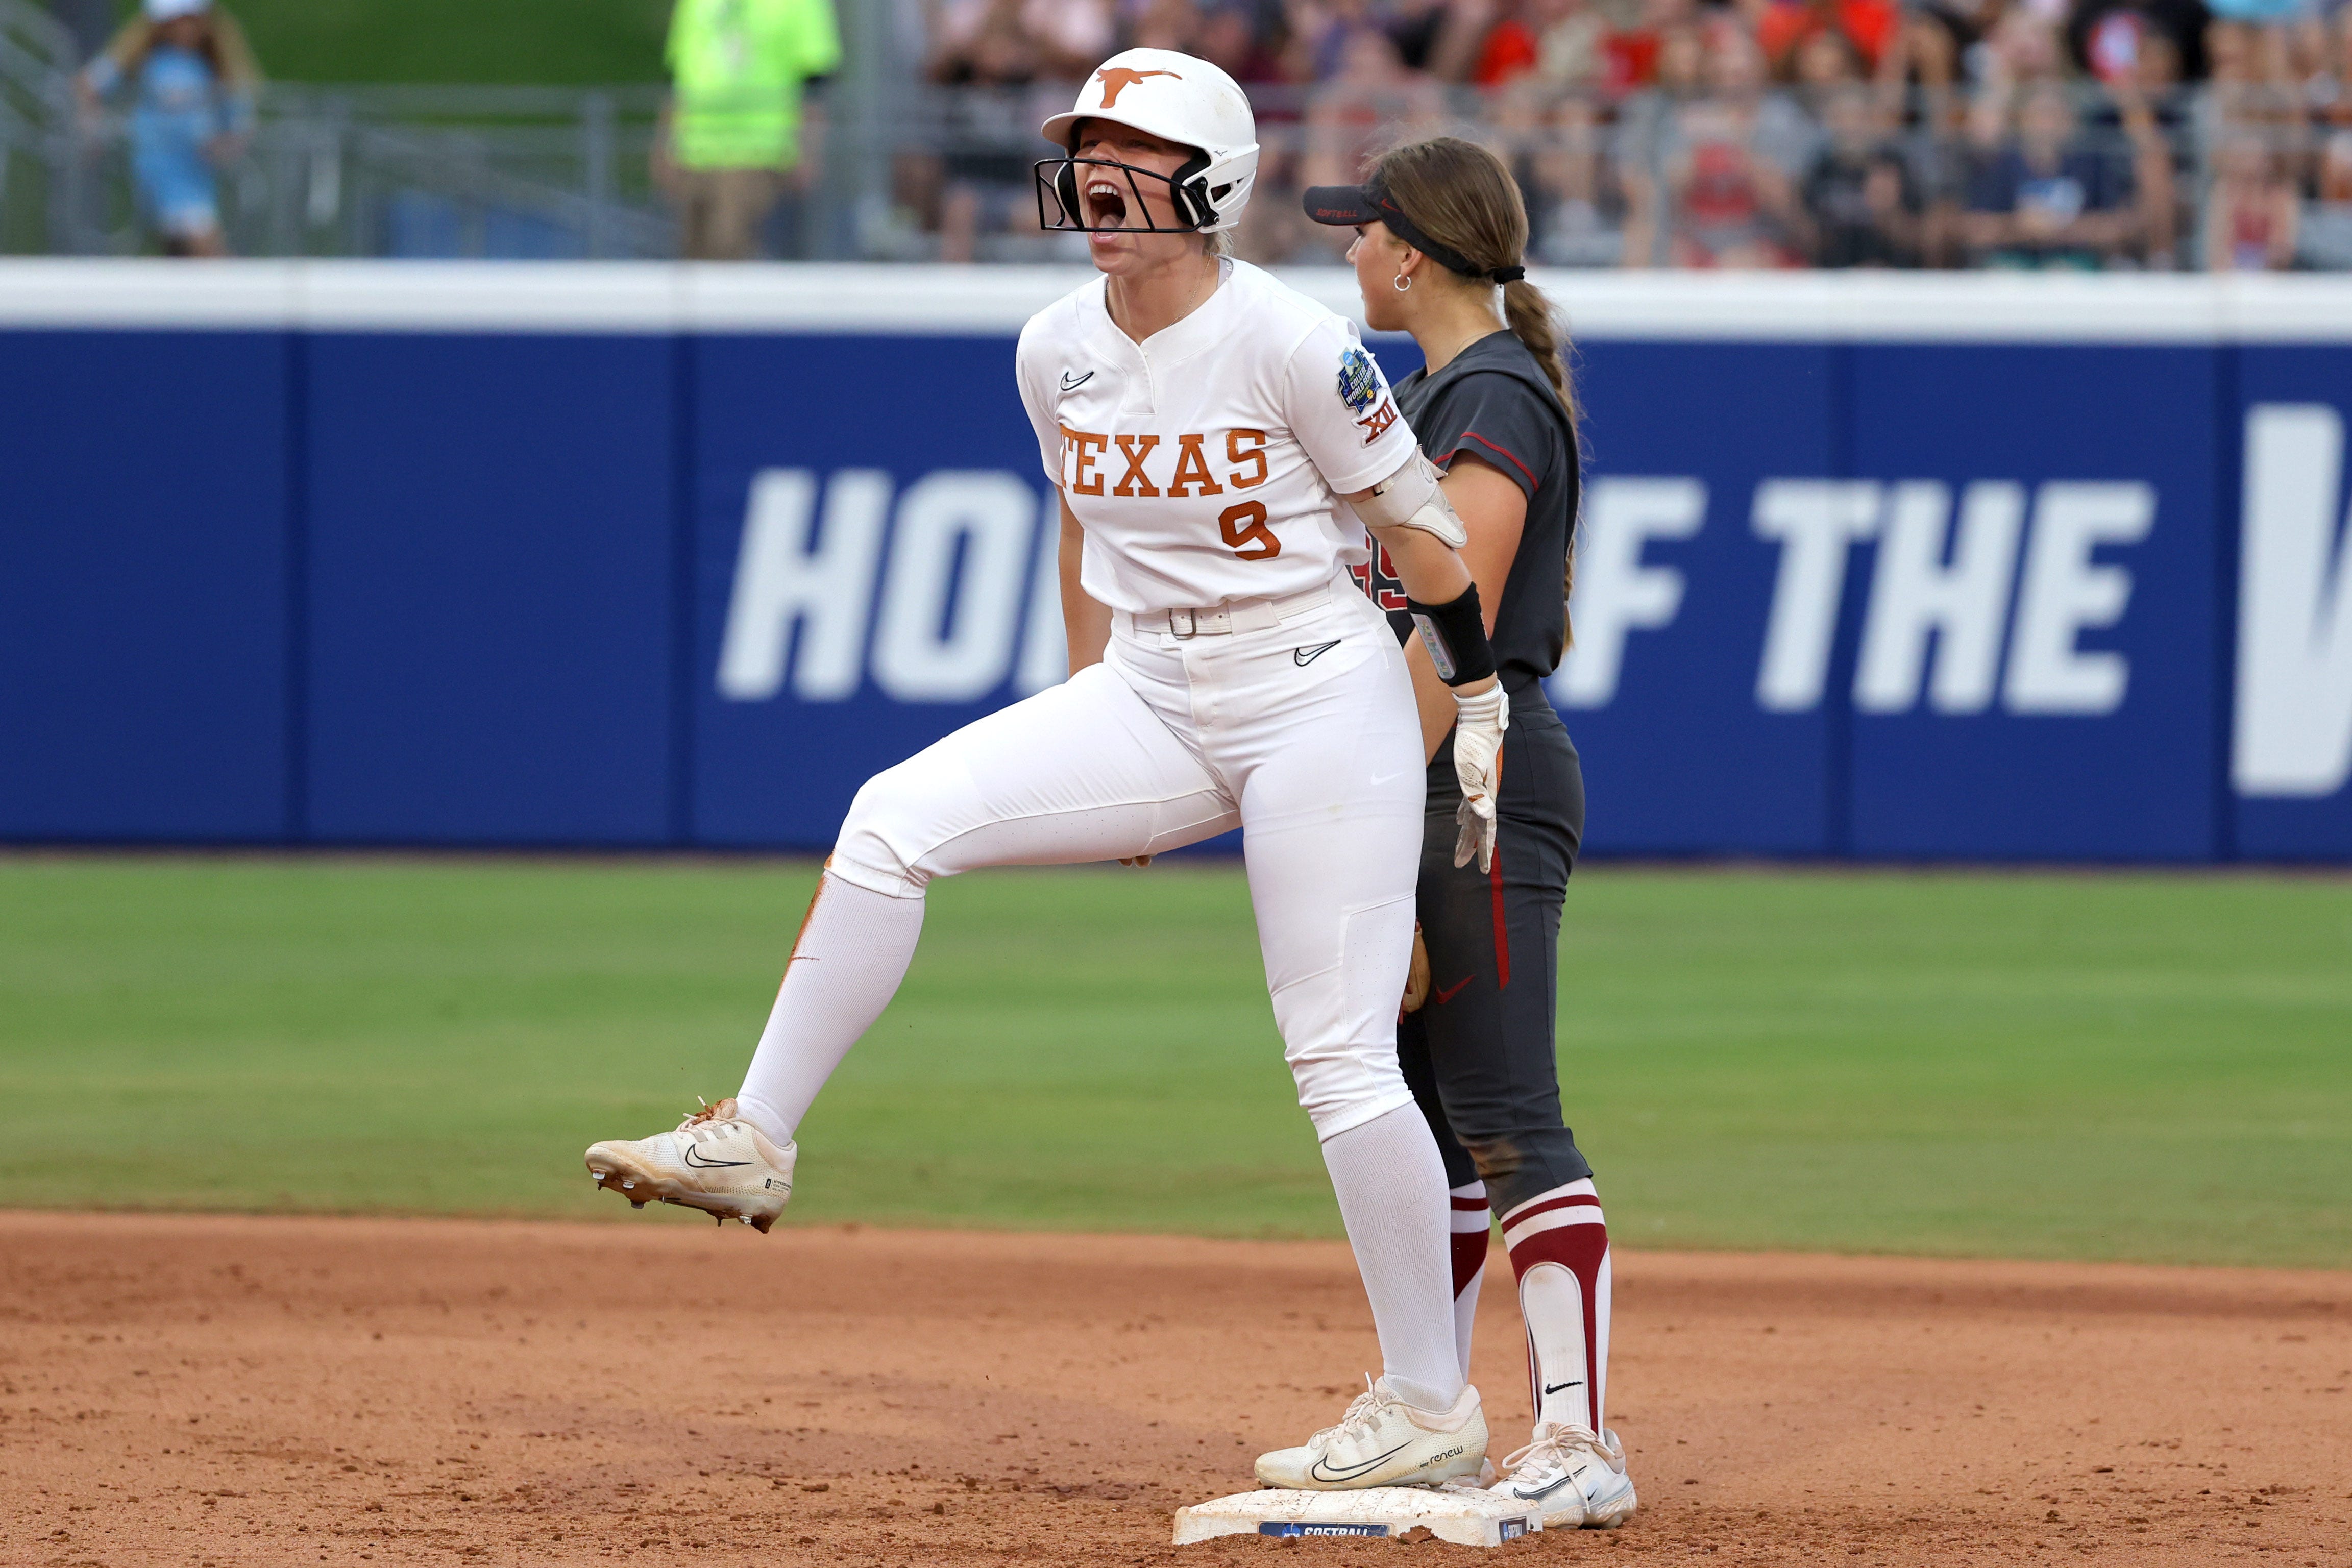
[1342,206]
[1356,204]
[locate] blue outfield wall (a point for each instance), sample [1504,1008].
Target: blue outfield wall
[599,555]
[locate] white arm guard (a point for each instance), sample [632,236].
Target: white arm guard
[1411,498]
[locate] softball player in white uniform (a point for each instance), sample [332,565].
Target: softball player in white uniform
[1202,424]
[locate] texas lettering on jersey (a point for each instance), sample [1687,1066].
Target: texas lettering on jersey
[1184,473]
[1202,465]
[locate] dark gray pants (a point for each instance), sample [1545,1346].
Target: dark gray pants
[1480,1053]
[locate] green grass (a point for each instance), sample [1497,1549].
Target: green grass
[2102,1066]
[572,41]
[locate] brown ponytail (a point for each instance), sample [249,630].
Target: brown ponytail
[1527,309]
[1460,194]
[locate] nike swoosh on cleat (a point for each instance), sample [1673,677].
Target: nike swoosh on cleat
[710,1164]
[1303,657]
[1323,1472]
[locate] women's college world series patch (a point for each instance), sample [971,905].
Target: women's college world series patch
[1360,381]
[1361,388]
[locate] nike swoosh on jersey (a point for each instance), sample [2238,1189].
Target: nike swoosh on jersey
[1069,385]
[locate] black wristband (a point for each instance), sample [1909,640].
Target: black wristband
[1455,637]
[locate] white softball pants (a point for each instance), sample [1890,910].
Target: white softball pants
[1302,735]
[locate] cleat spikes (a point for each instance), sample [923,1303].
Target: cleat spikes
[716,1164]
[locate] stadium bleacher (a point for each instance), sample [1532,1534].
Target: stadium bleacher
[2048,134]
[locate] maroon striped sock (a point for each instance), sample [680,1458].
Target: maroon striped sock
[1473,1224]
[1559,1242]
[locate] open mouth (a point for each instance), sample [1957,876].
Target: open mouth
[1106,203]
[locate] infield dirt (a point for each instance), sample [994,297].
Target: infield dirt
[232,1390]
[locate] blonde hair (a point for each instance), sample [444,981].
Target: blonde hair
[1460,196]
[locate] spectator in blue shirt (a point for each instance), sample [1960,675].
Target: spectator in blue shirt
[2044,200]
[195,82]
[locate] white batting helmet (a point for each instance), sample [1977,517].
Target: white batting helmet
[1185,101]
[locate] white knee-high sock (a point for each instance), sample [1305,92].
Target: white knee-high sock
[853,951]
[1390,1185]
[1473,1222]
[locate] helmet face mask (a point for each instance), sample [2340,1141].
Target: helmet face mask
[1063,203]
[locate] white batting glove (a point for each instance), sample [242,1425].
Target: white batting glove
[1477,746]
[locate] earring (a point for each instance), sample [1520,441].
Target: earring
[1403,283]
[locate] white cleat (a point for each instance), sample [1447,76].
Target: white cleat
[1575,1478]
[1384,1442]
[715,1162]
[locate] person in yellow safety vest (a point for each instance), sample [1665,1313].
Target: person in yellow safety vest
[730,140]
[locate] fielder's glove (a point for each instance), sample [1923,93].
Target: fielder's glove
[1477,746]
[1416,975]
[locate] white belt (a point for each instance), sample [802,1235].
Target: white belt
[1232,615]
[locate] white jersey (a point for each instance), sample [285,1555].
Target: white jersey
[1203,462]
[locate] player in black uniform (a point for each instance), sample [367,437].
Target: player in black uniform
[1442,231]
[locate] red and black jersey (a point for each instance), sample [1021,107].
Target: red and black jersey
[1493,402]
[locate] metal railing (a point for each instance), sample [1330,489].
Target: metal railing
[520,173]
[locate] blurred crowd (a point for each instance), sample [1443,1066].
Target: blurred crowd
[2083,134]
[2076,134]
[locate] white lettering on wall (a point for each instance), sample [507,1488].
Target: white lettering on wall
[944,633]
[1615,592]
[2064,595]
[1816,523]
[781,581]
[2293,724]
[972,549]
[1964,605]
